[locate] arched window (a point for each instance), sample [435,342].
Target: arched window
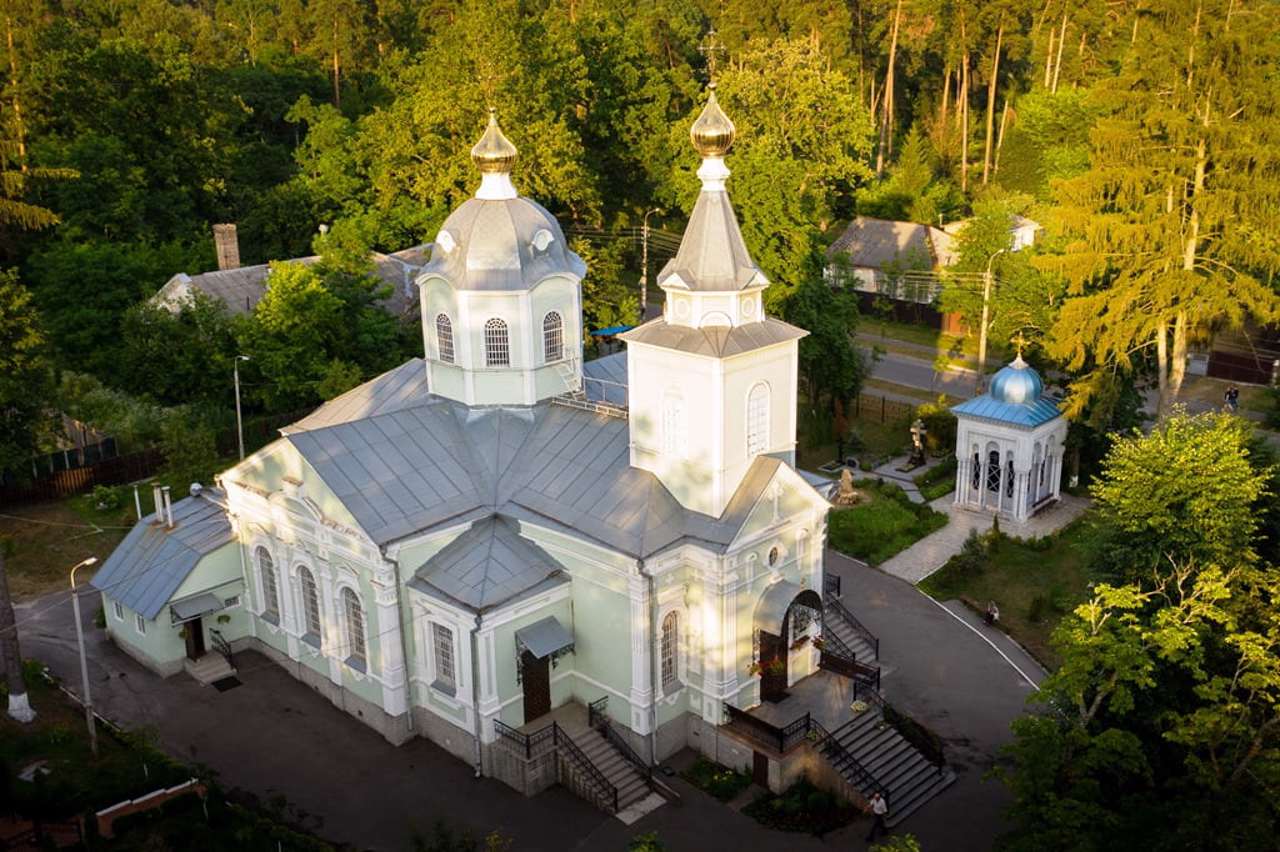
[669,650]
[975,475]
[993,471]
[444,337]
[497,352]
[1008,479]
[270,589]
[758,420]
[310,602]
[356,651]
[552,337]
[673,436]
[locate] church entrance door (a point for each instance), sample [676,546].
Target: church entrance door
[536,677]
[195,638]
[773,667]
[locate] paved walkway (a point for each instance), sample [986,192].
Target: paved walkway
[932,552]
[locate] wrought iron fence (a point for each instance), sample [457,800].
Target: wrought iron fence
[843,760]
[842,612]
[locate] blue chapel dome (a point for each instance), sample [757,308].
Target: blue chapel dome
[1016,384]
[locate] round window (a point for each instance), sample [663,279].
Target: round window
[773,557]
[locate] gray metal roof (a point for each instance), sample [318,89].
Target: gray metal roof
[876,243]
[1025,415]
[403,387]
[490,244]
[716,341]
[242,288]
[712,256]
[436,462]
[144,571]
[486,566]
[611,375]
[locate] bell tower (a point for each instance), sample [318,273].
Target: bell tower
[712,382]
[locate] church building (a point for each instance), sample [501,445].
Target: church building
[461,546]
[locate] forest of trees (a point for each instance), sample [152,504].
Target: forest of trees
[1143,134]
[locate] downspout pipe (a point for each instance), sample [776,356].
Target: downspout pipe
[475,695]
[404,643]
[653,668]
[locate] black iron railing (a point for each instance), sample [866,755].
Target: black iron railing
[604,792]
[834,606]
[843,761]
[223,646]
[595,785]
[598,719]
[781,740]
[925,741]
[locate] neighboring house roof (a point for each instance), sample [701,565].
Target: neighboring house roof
[153,560]
[486,566]
[712,255]
[434,461]
[241,289]
[877,243]
[718,340]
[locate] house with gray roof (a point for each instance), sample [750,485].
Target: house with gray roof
[895,260]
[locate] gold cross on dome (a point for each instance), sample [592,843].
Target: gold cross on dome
[1019,341]
[709,48]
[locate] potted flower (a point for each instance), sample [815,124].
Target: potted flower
[799,643]
[776,666]
[819,643]
[858,706]
[755,668]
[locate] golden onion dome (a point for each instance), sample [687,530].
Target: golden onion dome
[494,153]
[712,133]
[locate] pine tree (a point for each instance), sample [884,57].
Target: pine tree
[1164,230]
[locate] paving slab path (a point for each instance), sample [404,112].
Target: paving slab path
[932,552]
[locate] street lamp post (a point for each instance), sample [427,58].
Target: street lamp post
[84,663]
[239,424]
[644,262]
[982,331]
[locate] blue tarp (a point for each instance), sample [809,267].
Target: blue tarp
[611,330]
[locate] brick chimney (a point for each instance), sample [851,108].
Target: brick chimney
[227,246]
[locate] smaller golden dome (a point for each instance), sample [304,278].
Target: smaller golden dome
[494,153]
[712,133]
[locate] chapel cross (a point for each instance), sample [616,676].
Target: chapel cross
[709,48]
[1019,341]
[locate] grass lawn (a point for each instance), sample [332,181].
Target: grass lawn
[48,538]
[884,524]
[1034,584]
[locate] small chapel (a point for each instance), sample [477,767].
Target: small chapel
[1009,446]
[462,547]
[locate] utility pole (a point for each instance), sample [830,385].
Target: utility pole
[982,331]
[84,663]
[644,262]
[239,424]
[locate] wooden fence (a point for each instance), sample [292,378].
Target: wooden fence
[875,407]
[134,466]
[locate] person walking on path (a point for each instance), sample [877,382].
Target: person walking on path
[879,807]
[1232,399]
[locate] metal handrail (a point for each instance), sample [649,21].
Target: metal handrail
[781,739]
[223,646]
[841,611]
[600,721]
[899,721]
[840,758]
[569,748]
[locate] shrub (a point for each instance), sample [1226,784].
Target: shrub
[1040,604]
[941,426]
[719,781]
[105,497]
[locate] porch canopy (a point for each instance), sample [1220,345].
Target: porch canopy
[771,611]
[544,637]
[192,608]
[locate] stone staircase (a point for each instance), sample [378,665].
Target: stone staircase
[864,651]
[209,668]
[870,744]
[623,774]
